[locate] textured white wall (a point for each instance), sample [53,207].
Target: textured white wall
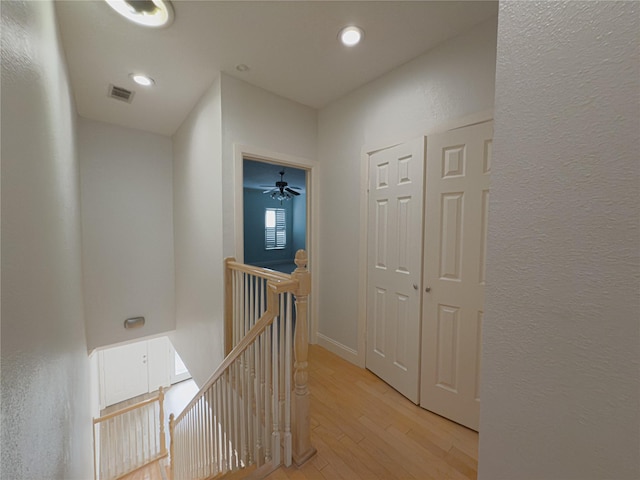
[46,420]
[451,81]
[197,214]
[127,231]
[258,118]
[231,112]
[561,343]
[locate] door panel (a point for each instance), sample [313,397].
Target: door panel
[125,372]
[456,214]
[396,178]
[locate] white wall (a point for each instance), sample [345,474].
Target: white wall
[46,420]
[231,112]
[255,117]
[561,343]
[197,213]
[451,81]
[127,231]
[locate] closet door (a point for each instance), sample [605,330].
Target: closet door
[457,197]
[125,372]
[133,369]
[394,253]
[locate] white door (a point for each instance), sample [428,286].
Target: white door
[457,197]
[125,372]
[394,260]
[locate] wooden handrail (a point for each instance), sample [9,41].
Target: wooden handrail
[260,272]
[283,281]
[277,283]
[265,320]
[124,410]
[147,456]
[257,421]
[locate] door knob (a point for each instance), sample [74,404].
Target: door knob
[415,287]
[428,289]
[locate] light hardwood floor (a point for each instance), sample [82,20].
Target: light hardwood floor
[364,429]
[153,471]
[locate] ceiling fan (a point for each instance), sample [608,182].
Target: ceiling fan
[282,190]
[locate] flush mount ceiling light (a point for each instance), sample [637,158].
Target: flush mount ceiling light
[351,35]
[149,13]
[141,79]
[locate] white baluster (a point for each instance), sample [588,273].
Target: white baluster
[288,320]
[275,432]
[216,412]
[206,434]
[281,359]
[268,391]
[258,394]
[250,389]
[245,311]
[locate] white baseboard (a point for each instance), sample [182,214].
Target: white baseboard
[347,353]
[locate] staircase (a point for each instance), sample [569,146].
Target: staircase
[252,415]
[129,439]
[253,410]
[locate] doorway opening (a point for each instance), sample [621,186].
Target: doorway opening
[307,182]
[274,214]
[132,372]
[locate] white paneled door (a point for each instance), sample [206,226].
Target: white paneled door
[136,368]
[125,372]
[394,261]
[457,197]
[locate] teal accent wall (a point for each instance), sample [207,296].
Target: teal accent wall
[255,203]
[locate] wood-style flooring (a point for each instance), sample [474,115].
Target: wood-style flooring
[154,471]
[364,429]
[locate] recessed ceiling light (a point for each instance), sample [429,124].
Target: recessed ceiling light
[351,35]
[149,13]
[142,79]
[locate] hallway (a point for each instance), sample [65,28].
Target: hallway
[363,429]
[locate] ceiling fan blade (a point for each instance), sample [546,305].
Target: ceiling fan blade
[296,188]
[271,190]
[293,192]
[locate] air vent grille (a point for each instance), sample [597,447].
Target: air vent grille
[120,93]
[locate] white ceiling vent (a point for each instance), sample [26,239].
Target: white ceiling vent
[120,93]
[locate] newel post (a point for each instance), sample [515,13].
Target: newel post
[302,448]
[163,440]
[172,456]
[228,306]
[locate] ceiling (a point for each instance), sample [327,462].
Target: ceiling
[290,47]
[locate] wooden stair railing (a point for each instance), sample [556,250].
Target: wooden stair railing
[254,409]
[129,439]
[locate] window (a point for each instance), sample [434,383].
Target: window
[275,229]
